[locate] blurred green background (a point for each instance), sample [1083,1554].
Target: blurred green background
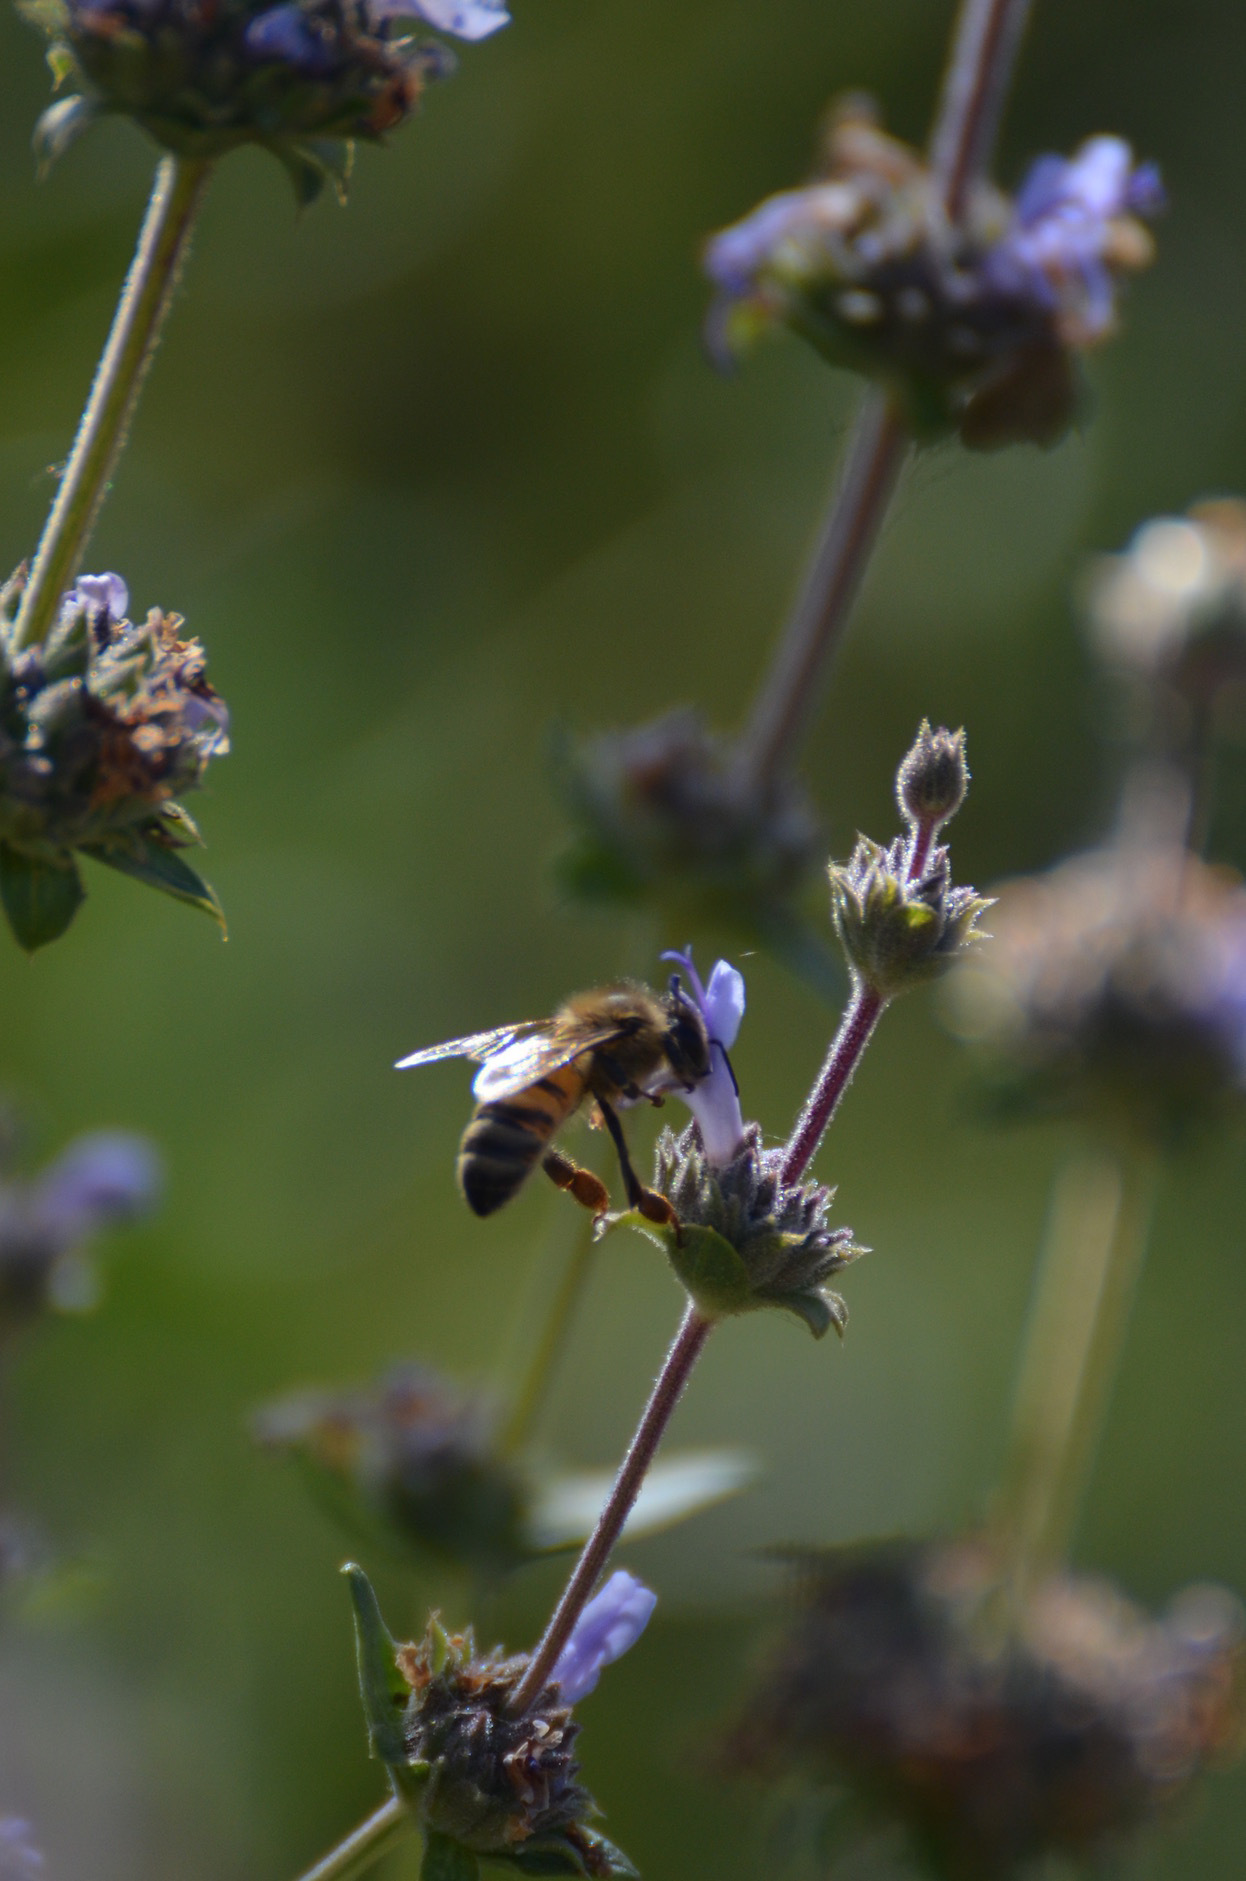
[427,474]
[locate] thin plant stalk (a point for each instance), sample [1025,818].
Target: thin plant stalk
[856,1029]
[680,1360]
[383,1831]
[1094,1250]
[533,1391]
[163,243]
[984,48]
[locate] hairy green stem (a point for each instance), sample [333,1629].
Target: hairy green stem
[145,299]
[363,1848]
[677,1369]
[1095,1246]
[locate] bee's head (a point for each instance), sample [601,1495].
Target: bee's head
[687,1042]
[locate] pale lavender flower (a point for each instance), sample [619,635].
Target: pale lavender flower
[1060,247]
[609,1626]
[100,594]
[466,19]
[100,1181]
[20,1860]
[715,1101]
[288,33]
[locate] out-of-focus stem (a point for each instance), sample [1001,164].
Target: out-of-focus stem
[145,299]
[1095,1245]
[361,1850]
[677,1369]
[538,1375]
[984,47]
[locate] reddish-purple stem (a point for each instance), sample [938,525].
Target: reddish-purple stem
[841,1061]
[683,1355]
[919,850]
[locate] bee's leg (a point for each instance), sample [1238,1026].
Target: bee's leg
[588,1190]
[646,1202]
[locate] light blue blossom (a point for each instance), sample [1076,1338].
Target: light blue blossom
[466,19]
[715,1102]
[20,1860]
[100,1181]
[1062,241]
[609,1626]
[100,594]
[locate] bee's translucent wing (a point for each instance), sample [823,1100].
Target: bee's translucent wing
[522,1061]
[478,1045]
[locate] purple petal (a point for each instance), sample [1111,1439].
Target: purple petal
[100,1179]
[715,1102]
[285,33]
[20,1860]
[722,1003]
[466,19]
[610,1624]
[102,594]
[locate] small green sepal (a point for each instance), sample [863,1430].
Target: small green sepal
[41,896]
[584,1852]
[720,1282]
[382,1687]
[151,861]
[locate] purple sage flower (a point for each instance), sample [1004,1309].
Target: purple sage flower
[609,1626]
[466,19]
[101,594]
[1062,241]
[715,1102]
[100,1181]
[289,34]
[20,1860]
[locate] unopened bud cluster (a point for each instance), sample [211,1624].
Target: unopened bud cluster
[663,814]
[1062,1738]
[301,78]
[417,1457]
[933,779]
[900,931]
[745,1239]
[102,727]
[972,324]
[1115,987]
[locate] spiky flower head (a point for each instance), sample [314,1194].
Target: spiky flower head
[1115,987]
[302,78]
[1062,1736]
[744,1239]
[416,1456]
[973,324]
[480,1777]
[898,930]
[663,815]
[47,1223]
[102,727]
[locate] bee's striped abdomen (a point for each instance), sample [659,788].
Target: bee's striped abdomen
[503,1143]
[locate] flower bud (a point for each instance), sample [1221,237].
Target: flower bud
[482,1777]
[102,728]
[744,1240]
[898,932]
[933,779]
[971,324]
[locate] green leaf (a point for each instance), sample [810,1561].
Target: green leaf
[565,1507]
[445,1860]
[163,868]
[40,898]
[711,1271]
[819,1310]
[583,1852]
[383,1689]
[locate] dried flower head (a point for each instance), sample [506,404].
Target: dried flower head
[100,1181]
[973,325]
[1171,610]
[744,1239]
[1063,1737]
[102,728]
[478,1774]
[415,1455]
[302,78]
[1115,985]
[663,814]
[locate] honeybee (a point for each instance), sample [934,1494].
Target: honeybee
[617,1044]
